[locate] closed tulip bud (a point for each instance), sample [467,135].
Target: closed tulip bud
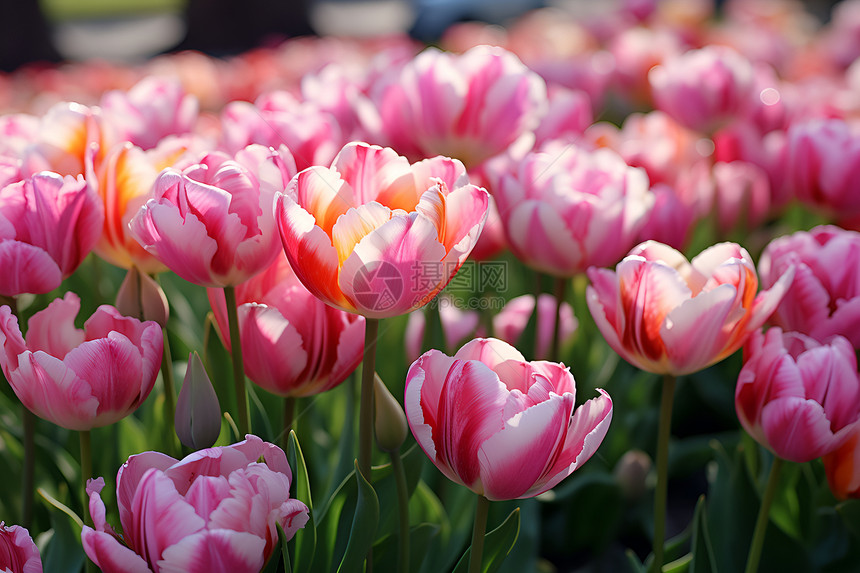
[390,420]
[198,414]
[140,296]
[631,473]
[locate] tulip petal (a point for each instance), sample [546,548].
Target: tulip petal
[323,193]
[502,358]
[376,174]
[310,252]
[27,269]
[273,348]
[515,458]
[214,551]
[53,330]
[537,234]
[395,268]
[355,224]
[109,554]
[422,396]
[797,429]
[128,477]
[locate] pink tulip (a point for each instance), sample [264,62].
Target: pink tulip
[80,379]
[211,223]
[824,298]
[293,343]
[842,467]
[214,511]
[669,316]
[565,209]
[568,116]
[48,225]
[503,427]
[375,235]
[18,553]
[312,135]
[64,141]
[822,165]
[470,106]
[703,89]
[671,219]
[147,113]
[797,397]
[512,320]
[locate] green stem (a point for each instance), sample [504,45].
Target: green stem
[28,419]
[289,417]
[244,418]
[365,412]
[481,510]
[403,510]
[169,392]
[559,291]
[662,469]
[86,470]
[763,514]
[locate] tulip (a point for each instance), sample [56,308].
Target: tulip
[48,225]
[375,235]
[215,510]
[842,467]
[796,396]
[278,118]
[824,298]
[512,320]
[211,223]
[198,413]
[141,297]
[18,553]
[666,315]
[295,344]
[503,427]
[566,209]
[148,112]
[703,89]
[470,106]
[80,379]
[822,165]
[68,133]
[125,178]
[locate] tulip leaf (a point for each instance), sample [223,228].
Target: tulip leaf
[305,539]
[64,551]
[701,548]
[497,545]
[679,565]
[636,566]
[364,525]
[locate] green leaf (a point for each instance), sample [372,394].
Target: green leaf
[64,551]
[364,525]
[679,565]
[701,549]
[635,565]
[497,544]
[304,542]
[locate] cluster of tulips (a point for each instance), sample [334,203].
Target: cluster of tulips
[345,185]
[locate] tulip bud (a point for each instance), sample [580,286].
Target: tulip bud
[390,422]
[141,297]
[631,473]
[198,414]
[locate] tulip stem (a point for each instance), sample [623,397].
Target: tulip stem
[559,291]
[244,417]
[481,510]
[28,420]
[86,470]
[289,417]
[763,514]
[403,509]
[663,433]
[169,396]
[365,416]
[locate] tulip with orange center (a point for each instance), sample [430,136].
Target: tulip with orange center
[376,235]
[666,315]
